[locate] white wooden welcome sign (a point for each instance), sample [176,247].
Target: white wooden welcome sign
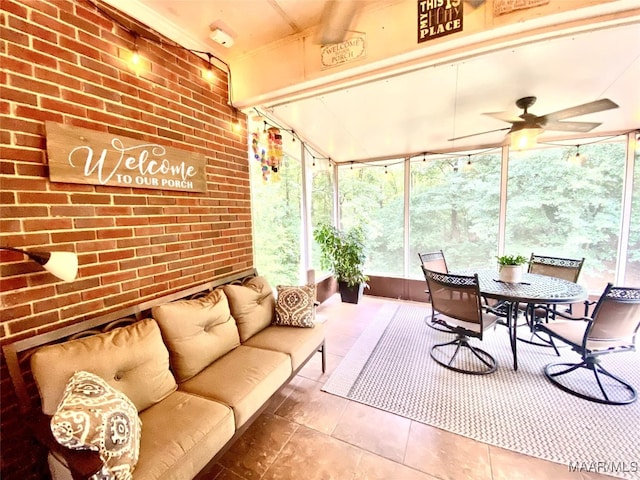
[80,155]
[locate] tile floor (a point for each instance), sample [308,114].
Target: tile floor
[307,434]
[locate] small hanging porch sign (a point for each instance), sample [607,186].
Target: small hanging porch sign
[437,18]
[80,155]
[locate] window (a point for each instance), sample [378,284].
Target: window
[374,196]
[277,216]
[563,206]
[454,206]
[321,201]
[632,271]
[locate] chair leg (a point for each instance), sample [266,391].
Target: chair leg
[461,342]
[532,322]
[592,364]
[435,326]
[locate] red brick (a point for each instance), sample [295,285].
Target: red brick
[91,199]
[14,8]
[78,309]
[74,236]
[10,211]
[49,224]
[46,198]
[93,222]
[72,211]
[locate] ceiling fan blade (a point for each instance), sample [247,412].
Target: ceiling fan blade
[336,21]
[480,133]
[571,126]
[504,116]
[591,107]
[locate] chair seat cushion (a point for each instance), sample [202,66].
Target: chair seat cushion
[488,320]
[243,379]
[296,342]
[179,435]
[573,332]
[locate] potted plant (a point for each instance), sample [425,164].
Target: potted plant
[343,254]
[510,268]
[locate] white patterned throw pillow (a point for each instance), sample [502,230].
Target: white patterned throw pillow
[93,415]
[295,305]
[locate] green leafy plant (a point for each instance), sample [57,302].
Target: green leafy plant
[342,253]
[512,260]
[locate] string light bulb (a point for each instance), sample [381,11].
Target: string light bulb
[135,56]
[209,72]
[577,159]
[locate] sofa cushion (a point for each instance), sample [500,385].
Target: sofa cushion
[93,415]
[180,435]
[197,332]
[252,305]
[295,305]
[244,379]
[296,342]
[132,359]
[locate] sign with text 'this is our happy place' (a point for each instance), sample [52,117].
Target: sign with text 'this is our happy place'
[80,155]
[437,18]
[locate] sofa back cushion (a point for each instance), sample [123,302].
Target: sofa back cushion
[252,305]
[197,332]
[132,359]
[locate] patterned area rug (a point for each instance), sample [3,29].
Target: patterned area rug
[389,368]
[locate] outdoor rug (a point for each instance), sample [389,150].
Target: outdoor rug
[389,368]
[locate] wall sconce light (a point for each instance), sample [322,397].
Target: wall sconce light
[63,265]
[524,138]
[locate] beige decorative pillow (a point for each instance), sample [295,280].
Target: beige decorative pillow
[295,306]
[197,332]
[93,415]
[252,304]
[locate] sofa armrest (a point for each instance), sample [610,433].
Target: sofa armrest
[82,463]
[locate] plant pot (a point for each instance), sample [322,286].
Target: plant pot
[510,273]
[350,294]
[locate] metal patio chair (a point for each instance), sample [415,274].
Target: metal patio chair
[565,268]
[612,328]
[436,262]
[457,301]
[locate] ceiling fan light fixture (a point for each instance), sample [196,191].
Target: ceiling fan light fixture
[524,138]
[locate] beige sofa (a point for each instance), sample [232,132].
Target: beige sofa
[197,370]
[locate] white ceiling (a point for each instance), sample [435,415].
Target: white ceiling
[418,111]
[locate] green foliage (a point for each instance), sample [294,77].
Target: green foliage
[342,252]
[512,260]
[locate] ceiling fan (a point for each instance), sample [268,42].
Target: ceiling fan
[337,16]
[528,124]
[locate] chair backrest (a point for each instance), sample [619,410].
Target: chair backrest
[616,316]
[456,296]
[564,268]
[433,261]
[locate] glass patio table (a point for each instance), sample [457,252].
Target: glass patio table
[534,288]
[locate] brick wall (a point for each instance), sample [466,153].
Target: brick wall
[65,61]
